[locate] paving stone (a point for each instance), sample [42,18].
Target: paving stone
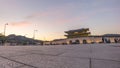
[12,53]
[78,51]
[62,56]
[105,64]
[47,52]
[25,67]
[76,54]
[43,61]
[106,52]
[4,63]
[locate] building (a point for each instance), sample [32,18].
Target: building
[77,33]
[85,40]
[82,36]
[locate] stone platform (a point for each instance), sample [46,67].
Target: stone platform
[61,56]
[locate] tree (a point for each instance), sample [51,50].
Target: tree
[2,39]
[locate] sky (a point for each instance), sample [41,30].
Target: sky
[52,17]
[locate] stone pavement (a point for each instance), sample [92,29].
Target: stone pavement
[61,56]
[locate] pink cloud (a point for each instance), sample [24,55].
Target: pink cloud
[79,19]
[53,12]
[22,23]
[58,16]
[42,14]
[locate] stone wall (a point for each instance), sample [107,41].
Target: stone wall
[84,40]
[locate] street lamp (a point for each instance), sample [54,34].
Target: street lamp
[5,28]
[34,33]
[5,31]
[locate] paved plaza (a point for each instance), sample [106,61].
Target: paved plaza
[61,56]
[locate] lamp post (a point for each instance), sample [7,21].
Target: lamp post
[34,34]
[5,32]
[5,28]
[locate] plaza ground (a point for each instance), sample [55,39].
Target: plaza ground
[61,56]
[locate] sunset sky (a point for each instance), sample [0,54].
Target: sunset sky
[52,17]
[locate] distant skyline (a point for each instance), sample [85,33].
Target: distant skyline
[52,17]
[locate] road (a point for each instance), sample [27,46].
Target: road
[61,56]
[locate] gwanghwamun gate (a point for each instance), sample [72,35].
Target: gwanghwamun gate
[83,36]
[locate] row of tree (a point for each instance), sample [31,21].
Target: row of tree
[18,40]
